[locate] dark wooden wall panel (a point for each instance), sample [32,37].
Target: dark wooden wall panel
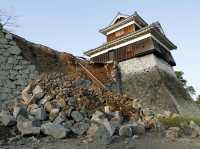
[125,52]
[123,32]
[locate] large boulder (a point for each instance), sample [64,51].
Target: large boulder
[77,116]
[125,131]
[173,133]
[195,129]
[18,110]
[60,118]
[55,130]
[39,113]
[38,92]
[68,124]
[45,99]
[138,128]
[28,127]
[99,133]
[100,118]
[54,113]
[80,128]
[26,94]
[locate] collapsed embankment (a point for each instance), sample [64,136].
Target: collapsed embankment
[21,61]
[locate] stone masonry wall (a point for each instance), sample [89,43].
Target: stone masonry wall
[144,64]
[15,70]
[153,81]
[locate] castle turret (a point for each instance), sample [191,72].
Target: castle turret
[143,54]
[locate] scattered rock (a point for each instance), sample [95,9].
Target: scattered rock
[19,111]
[77,116]
[45,99]
[138,128]
[195,129]
[28,127]
[71,101]
[39,114]
[80,128]
[187,130]
[99,133]
[125,131]
[60,118]
[53,114]
[100,118]
[48,106]
[26,96]
[173,133]
[68,124]
[55,130]
[7,119]
[38,92]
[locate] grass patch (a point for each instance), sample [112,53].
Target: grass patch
[177,121]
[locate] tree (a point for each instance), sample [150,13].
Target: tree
[198,100]
[7,20]
[190,89]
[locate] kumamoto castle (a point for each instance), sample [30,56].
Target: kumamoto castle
[138,53]
[143,54]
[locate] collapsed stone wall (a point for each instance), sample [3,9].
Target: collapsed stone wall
[21,61]
[154,82]
[15,71]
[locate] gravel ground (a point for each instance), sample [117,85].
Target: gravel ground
[148,141]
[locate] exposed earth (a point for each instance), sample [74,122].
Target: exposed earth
[149,141]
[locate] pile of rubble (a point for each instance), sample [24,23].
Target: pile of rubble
[60,106]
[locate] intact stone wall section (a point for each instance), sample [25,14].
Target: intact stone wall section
[153,81]
[144,64]
[15,71]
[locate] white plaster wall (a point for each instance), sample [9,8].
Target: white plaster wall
[143,64]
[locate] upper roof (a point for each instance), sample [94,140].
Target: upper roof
[127,18]
[119,16]
[152,29]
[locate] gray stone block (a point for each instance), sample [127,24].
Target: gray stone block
[77,116]
[8,36]
[125,131]
[14,50]
[54,130]
[7,119]
[28,127]
[3,41]
[80,128]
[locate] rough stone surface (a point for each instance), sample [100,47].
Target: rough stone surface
[7,119]
[99,133]
[77,116]
[195,129]
[39,113]
[173,133]
[54,113]
[28,127]
[153,81]
[60,118]
[137,129]
[80,128]
[38,92]
[12,68]
[125,131]
[19,111]
[54,130]
[100,118]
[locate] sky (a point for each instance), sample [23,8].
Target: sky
[72,26]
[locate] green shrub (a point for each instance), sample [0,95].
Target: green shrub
[177,121]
